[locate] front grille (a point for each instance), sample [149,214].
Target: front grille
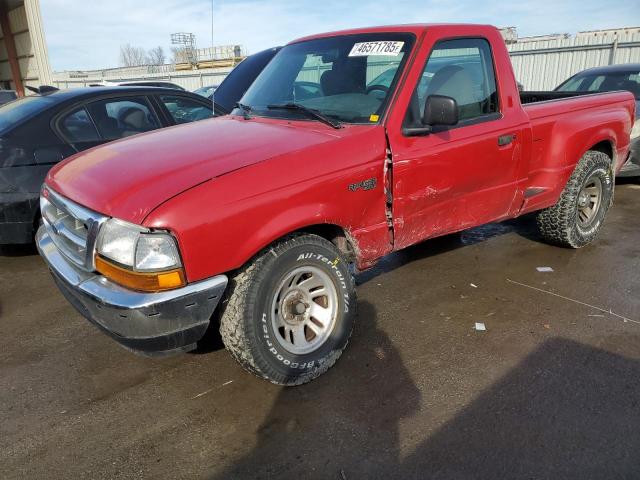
[72,228]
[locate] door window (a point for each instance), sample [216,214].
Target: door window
[119,118]
[185,110]
[77,127]
[462,69]
[595,85]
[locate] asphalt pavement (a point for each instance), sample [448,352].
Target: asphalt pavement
[550,390]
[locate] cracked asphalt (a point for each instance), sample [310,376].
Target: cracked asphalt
[550,390]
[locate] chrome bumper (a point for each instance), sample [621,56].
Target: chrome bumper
[149,323]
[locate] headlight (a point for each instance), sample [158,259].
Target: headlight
[156,251]
[118,241]
[635,131]
[138,258]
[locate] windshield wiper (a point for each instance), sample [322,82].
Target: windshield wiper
[310,112]
[246,110]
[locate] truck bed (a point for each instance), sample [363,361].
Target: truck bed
[542,104]
[563,125]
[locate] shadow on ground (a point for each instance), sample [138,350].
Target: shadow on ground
[567,411]
[524,226]
[333,423]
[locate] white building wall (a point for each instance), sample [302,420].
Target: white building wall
[25,22]
[188,79]
[38,42]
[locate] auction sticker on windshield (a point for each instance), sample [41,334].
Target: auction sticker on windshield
[364,49]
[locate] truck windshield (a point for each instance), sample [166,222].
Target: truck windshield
[339,77]
[21,109]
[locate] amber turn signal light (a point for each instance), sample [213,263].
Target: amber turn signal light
[142,281]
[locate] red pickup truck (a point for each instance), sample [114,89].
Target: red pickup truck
[348,146]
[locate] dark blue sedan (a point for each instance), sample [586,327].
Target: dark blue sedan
[608,79]
[38,131]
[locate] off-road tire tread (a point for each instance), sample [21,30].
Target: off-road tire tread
[239,300]
[556,223]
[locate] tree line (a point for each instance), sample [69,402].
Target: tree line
[132,56]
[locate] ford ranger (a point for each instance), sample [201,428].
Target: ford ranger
[348,146]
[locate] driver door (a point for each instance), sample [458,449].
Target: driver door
[462,176]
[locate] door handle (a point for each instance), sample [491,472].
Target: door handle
[505,140]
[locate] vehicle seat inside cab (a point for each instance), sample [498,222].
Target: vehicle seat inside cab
[134,120]
[107,125]
[453,81]
[456,82]
[347,75]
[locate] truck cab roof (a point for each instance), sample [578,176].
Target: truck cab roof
[416,28]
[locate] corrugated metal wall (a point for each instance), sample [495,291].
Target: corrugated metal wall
[38,44]
[189,79]
[539,65]
[544,65]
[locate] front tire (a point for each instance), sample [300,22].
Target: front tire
[290,311]
[577,218]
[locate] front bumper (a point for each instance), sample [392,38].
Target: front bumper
[148,323]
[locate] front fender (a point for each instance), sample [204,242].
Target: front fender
[223,223]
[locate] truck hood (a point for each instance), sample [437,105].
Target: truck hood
[129,178]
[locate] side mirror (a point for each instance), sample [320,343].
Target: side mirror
[438,111]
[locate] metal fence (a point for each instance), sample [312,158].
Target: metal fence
[543,65]
[538,65]
[190,79]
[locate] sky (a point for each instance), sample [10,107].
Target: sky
[85,34]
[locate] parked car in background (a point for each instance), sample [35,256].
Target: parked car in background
[607,79]
[265,223]
[38,131]
[7,96]
[141,83]
[206,92]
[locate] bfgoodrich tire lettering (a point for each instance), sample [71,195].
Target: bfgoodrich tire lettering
[566,223]
[247,321]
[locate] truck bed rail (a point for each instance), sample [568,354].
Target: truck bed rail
[544,96]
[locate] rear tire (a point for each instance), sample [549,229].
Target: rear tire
[289,312]
[577,218]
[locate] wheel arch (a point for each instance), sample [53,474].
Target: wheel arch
[551,183]
[604,146]
[334,233]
